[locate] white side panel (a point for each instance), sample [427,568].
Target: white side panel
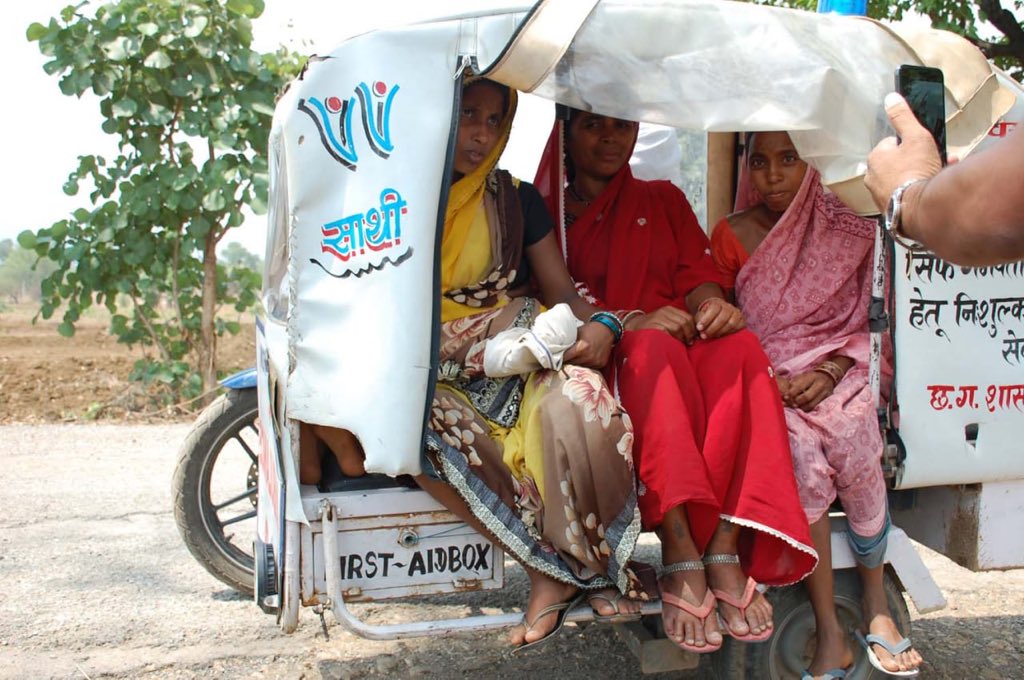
[1000,540]
[364,215]
[960,370]
[960,362]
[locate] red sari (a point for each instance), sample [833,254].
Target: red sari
[708,421]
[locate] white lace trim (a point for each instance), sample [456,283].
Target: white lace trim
[750,524]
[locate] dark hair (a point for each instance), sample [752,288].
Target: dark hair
[504,89]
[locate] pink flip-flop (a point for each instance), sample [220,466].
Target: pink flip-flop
[742,604]
[701,613]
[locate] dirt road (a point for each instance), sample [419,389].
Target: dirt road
[96,583]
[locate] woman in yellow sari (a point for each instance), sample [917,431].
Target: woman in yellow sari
[541,461]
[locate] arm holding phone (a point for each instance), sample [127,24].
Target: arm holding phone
[971,213]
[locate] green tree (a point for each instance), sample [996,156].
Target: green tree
[236,255]
[958,16]
[190,104]
[22,273]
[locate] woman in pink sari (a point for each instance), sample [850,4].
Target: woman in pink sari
[800,262]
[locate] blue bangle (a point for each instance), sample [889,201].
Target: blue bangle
[609,321]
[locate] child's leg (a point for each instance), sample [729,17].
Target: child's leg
[345,447]
[833,648]
[870,554]
[309,455]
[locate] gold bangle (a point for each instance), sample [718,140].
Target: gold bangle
[832,370]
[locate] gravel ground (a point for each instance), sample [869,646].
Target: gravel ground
[97,583]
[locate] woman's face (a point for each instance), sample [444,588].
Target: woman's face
[483,110]
[775,169]
[599,145]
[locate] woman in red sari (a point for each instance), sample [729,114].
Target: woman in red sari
[716,479]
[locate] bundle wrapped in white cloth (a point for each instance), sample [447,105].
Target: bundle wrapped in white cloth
[542,346]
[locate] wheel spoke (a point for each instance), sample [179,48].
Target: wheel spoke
[245,494]
[239,518]
[244,445]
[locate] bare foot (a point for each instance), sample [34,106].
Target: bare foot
[879,622]
[610,602]
[832,650]
[681,626]
[730,579]
[544,592]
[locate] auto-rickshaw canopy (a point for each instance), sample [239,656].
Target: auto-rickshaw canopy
[733,66]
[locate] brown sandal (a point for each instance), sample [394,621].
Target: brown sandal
[613,601]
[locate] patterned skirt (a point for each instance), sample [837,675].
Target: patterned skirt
[544,460]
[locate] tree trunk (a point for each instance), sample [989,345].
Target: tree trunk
[208,340]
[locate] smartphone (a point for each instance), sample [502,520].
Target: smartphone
[923,89]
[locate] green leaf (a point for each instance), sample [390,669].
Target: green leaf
[27,239]
[263,108]
[214,201]
[243,7]
[148,28]
[157,59]
[195,26]
[116,49]
[35,31]
[125,108]
[52,67]
[66,329]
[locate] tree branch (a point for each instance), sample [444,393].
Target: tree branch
[1007,24]
[175,259]
[171,128]
[149,328]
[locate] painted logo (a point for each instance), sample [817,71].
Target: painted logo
[378,230]
[333,119]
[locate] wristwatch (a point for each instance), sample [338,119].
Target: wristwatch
[894,215]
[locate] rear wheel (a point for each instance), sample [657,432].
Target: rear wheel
[789,651]
[214,488]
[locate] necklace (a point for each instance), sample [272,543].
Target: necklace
[576,195]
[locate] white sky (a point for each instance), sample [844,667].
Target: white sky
[45,131]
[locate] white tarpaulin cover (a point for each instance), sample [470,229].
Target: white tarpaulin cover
[732,66]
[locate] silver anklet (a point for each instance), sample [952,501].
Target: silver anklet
[721,559]
[689,565]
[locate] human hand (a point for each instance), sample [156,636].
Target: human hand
[807,390]
[892,163]
[594,342]
[783,383]
[717,317]
[672,320]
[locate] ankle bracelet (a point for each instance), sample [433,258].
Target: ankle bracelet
[720,559]
[689,565]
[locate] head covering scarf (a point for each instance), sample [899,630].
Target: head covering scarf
[805,290]
[469,247]
[634,233]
